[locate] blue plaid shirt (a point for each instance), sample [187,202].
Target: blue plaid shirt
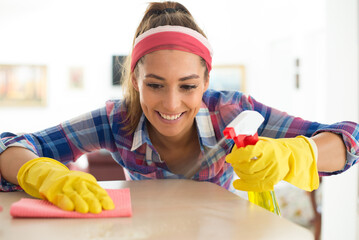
[102,129]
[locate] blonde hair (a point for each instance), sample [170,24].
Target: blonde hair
[155,16]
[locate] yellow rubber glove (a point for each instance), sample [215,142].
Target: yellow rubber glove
[49,179]
[263,165]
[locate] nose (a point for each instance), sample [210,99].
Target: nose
[171,100]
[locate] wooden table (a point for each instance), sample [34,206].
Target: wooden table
[162,209]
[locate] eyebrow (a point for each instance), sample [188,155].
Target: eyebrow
[192,76]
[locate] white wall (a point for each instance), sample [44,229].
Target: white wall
[63,34]
[341,192]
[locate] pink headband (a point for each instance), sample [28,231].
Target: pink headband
[174,38]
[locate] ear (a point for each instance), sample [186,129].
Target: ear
[134,82]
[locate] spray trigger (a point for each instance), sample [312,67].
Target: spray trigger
[243,129]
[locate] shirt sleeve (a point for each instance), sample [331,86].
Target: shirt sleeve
[279,124]
[64,142]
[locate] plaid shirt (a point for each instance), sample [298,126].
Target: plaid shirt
[102,129]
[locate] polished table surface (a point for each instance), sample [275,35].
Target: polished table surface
[162,209]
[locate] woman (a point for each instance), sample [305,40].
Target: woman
[168,126]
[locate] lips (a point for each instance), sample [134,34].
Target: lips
[170,117]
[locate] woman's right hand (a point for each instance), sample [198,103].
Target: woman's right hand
[49,179]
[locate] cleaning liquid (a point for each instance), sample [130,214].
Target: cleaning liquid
[265,200]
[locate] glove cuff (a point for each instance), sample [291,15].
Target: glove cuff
[314,148]
[309,172]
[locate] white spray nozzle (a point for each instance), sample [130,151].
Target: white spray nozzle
[246,123]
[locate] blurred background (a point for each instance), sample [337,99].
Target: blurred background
[300,56]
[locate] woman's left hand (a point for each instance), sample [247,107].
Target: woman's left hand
[269,161]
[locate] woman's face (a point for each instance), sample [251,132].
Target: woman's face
[171,85]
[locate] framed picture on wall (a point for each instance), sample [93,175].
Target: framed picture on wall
[76,77]
[23,85]
[117,66]
[228,77]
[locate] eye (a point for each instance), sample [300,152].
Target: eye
[189,87]
[154,85]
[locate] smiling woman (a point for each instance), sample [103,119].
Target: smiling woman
[170,125]
[163,29]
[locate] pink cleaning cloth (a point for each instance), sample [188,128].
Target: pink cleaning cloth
[37,208]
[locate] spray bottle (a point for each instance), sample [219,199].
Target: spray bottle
[243,130]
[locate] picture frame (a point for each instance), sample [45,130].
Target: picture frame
[23,85]
[228,77]
[76,77]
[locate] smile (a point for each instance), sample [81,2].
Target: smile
[170,117]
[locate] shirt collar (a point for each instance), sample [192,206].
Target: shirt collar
[204,128]
[140,136]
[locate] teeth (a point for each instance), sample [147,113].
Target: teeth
[170,117]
